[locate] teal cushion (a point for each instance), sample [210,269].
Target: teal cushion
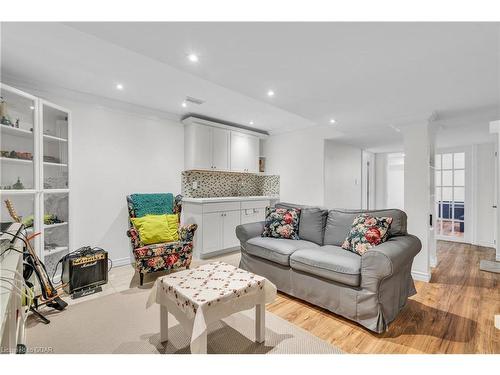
[152,204]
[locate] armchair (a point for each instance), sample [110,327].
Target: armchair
[161,256]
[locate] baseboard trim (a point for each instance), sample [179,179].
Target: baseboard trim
[421,276]
[122,262]
[485,244]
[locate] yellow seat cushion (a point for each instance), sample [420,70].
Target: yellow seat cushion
[156,228]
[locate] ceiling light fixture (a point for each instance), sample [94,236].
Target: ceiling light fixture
[119,86]
[193,57]
[32,107]
[270,93]
[251,123]
[332,121]
[184,104]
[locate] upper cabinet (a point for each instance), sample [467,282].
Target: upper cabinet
[216,147]
[206,147]
[244,152]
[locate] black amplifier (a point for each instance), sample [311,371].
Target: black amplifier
[84,270]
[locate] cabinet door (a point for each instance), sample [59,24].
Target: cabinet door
[253,154]
[239,151]
[231,220]
[220,149]
[198,143]
[212,232]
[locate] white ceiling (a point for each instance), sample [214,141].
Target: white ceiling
[366,75]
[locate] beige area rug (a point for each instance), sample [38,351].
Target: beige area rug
[120,323]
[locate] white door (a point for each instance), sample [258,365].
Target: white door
[231,219]
[220,149]
[198,142]
[212,232]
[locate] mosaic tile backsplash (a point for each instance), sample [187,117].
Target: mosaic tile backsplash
[228,184]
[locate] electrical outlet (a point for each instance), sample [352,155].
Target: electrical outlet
[194,185]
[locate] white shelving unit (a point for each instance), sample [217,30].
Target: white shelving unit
[44,132]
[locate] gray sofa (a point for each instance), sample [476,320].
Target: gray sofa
[369,289]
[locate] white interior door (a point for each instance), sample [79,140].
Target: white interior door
[452,207]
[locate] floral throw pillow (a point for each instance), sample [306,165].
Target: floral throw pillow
[282,223]
[366,232]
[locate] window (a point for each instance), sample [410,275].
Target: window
[450,194]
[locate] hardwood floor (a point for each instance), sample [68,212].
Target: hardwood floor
[454,313]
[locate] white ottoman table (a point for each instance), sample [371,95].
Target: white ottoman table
[200,296]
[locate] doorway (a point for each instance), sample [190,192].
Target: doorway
[450,196]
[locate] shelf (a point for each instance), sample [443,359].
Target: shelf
[52,138]
[17,191]
[56,225]
[15,161]
[47,163]
[52,252]
[56,191]
[16,131]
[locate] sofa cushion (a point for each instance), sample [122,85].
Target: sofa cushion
[312,222]
[282,223]
[277,250]
[339,222]
[330,262]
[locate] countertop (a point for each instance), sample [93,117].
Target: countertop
[229,199]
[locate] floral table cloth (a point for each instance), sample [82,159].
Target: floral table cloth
[208,293]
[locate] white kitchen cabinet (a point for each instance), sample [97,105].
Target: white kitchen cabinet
[217,219]
[230,220]
[197,147]
[220,149]
[244,152]
[219,230]
[206,147]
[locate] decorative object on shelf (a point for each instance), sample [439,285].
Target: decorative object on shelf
[56,182]
[23,155]
[3,107]
[28,221]
[17,123]
[49,219]
[51,159]
[262,164]
[18,185]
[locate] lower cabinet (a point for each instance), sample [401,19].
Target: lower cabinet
[219,230]
[217,222]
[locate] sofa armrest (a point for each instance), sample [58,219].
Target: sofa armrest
[246,231]
[387,258]
[186,232]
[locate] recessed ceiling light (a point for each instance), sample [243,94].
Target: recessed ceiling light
[332,121]
[32,107]
[251,122]
[270,93]
[119,86]
[184,104]
[193,57]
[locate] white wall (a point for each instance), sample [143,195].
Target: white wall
[380,180]
[342,175]
[368,199]
[417,185]
[298,157]
[116,153]
[395,181]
